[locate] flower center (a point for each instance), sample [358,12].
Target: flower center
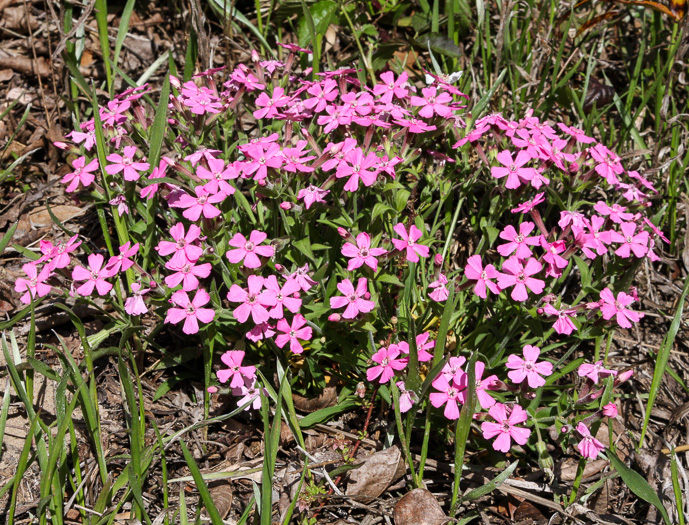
[127,161]
[385,361]
[484,275]
[203,199]
[519,238]
[628,239]
[521,278]
[292,333]
[190,309]
[249,246]
[363,252]
[181,243]
[352,297]
[505,426]
[513,168]
[251,298]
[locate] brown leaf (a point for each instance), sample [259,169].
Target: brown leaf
[377,473]
[27,66]
[419,507]
[222,497]
[15,19]
[327,398]
[40,217]
[6,74]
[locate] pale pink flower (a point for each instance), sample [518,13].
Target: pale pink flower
[388,362]
[610,410]
[617,307]
[589,447]
[407,397]
[505,429]
[303,279]
[82,174]
[250,249]
[631,241]
[190,311]
[292,334]
[520,276]
[135,305]
[594,371]
[254,300]
[474,271]
[94,276]
[408,242]
[35,285]
[202,203]
[187,275]
[311,195]
[250,394]
[564,323]
[527,368]
[355,301]
[362,253]
[513,169]
[236,373]
[440,292]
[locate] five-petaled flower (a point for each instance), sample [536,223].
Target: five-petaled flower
[95,276]
[190,311]
[355,301]
[527,368]
[589,446]
[126,164]
[617,307]
[237,374]
[388,362]
[250,249]
[292,333]
[362,253]
[408,242]
[505,429]
[35,285]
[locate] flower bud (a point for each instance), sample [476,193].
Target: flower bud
[286,205]
[438,259]
[335,318]
[361,389]
[212,389]
[623,377]
[610,410]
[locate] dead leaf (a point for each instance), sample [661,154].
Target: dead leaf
[40,218]
[419,507]
[327,398]
[5,75]
[15,19]
[222,497]
[27,66]
[377,473]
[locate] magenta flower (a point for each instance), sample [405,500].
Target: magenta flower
[238,374]
[387,361]
[389,87]
[518,242]
[408,242]
[122,262]
[448,395]
[595,239]
[190,311]
[528,368]
[482,385]
[423,345]
[505,429]
[589,446]
[610,410]
[149,191]
[357,167]
[261,156]
[611,307]
[217,176]
[35,285]
[82,174]
[577,133]
[94,276]
[292,334]
[249,250]
[187,275]
[433,103]
[513,169]
[453,371]
[355,301]
[135,305]
[125,163]
[254,300]
[564,323]
[322,93]
[609,165]
[440,292]
[269,104]
[630,240]
[250,394]
[183,249]
[474,271]
[617,213]
[201,204]
[362,253]
[594,371]
[519,276]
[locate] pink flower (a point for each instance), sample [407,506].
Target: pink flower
[631,241]
[610,410]
[617,213]
[518,243]
[190,311]
[474,271]
[422,347]
[238,374]
[311,195]
[94,276]
[505,429]
[135,304]
[249,250]
[187,275]
[201,204]
[527,206]
[149,191]
[513,168]
[217,176]
[122,262]
[617,307]
[609,165]
[387,361]
[250,394]
[292,334]
[288,296]
[303,279]
[432,103]
[528,368]
[589,446]
[577,133]
[269,104]
[519,276]
[35,285]
[408,242]
[595,239]
[355,301]
[388,87]
[254,301]
[58,256]
[262,155]
[593,371]
[322,93]
[126,164]
[485,400]
[81,174]
[564,323]
[448,395]
[407,397]
[183,249]
[440,292]
[357,167]
[362,253]
[453,371]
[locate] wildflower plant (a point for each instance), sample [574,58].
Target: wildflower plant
[273,213]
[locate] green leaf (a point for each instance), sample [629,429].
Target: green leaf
[201,486]
[159,124]
[491,485]
[8,237]
[438,43]
[324,414]
[389,279]
[638,485]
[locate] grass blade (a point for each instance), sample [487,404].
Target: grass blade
[201,486]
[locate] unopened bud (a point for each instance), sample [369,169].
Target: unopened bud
[286,205]
[335,318]
[438,259]
[610,410]
[622,377]
[212,389]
